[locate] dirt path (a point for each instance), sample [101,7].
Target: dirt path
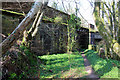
[89,69]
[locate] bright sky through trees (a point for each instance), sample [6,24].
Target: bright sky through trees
[69,6]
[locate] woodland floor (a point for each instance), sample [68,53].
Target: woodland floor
[62,66]
[78,65]
[83,64]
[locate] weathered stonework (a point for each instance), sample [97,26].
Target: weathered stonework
[51,36]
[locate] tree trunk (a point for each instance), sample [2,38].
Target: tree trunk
[113,44]
[14,36]
[36,23]
[119,22]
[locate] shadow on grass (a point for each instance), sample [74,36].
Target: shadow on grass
[100,65]
[57,65]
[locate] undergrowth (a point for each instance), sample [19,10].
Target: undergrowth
[29,66]
[22,65]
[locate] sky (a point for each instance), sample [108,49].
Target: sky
[85,8]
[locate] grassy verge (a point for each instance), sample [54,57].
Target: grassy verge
[105,68]
[62,66]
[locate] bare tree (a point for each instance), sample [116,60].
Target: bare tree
[112,43]
[14,36]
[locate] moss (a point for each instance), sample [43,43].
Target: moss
[12,12]
[116,48]
[58,19]
[45,18]
[90,47]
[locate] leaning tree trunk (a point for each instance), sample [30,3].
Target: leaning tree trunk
[14,36]
[29,35]
[113,44]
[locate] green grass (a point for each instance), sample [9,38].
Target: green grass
[103,67]
[62,66]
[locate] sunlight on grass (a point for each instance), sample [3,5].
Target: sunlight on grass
[62,66]
[103,67]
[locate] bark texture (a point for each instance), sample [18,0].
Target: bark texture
[112,43]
